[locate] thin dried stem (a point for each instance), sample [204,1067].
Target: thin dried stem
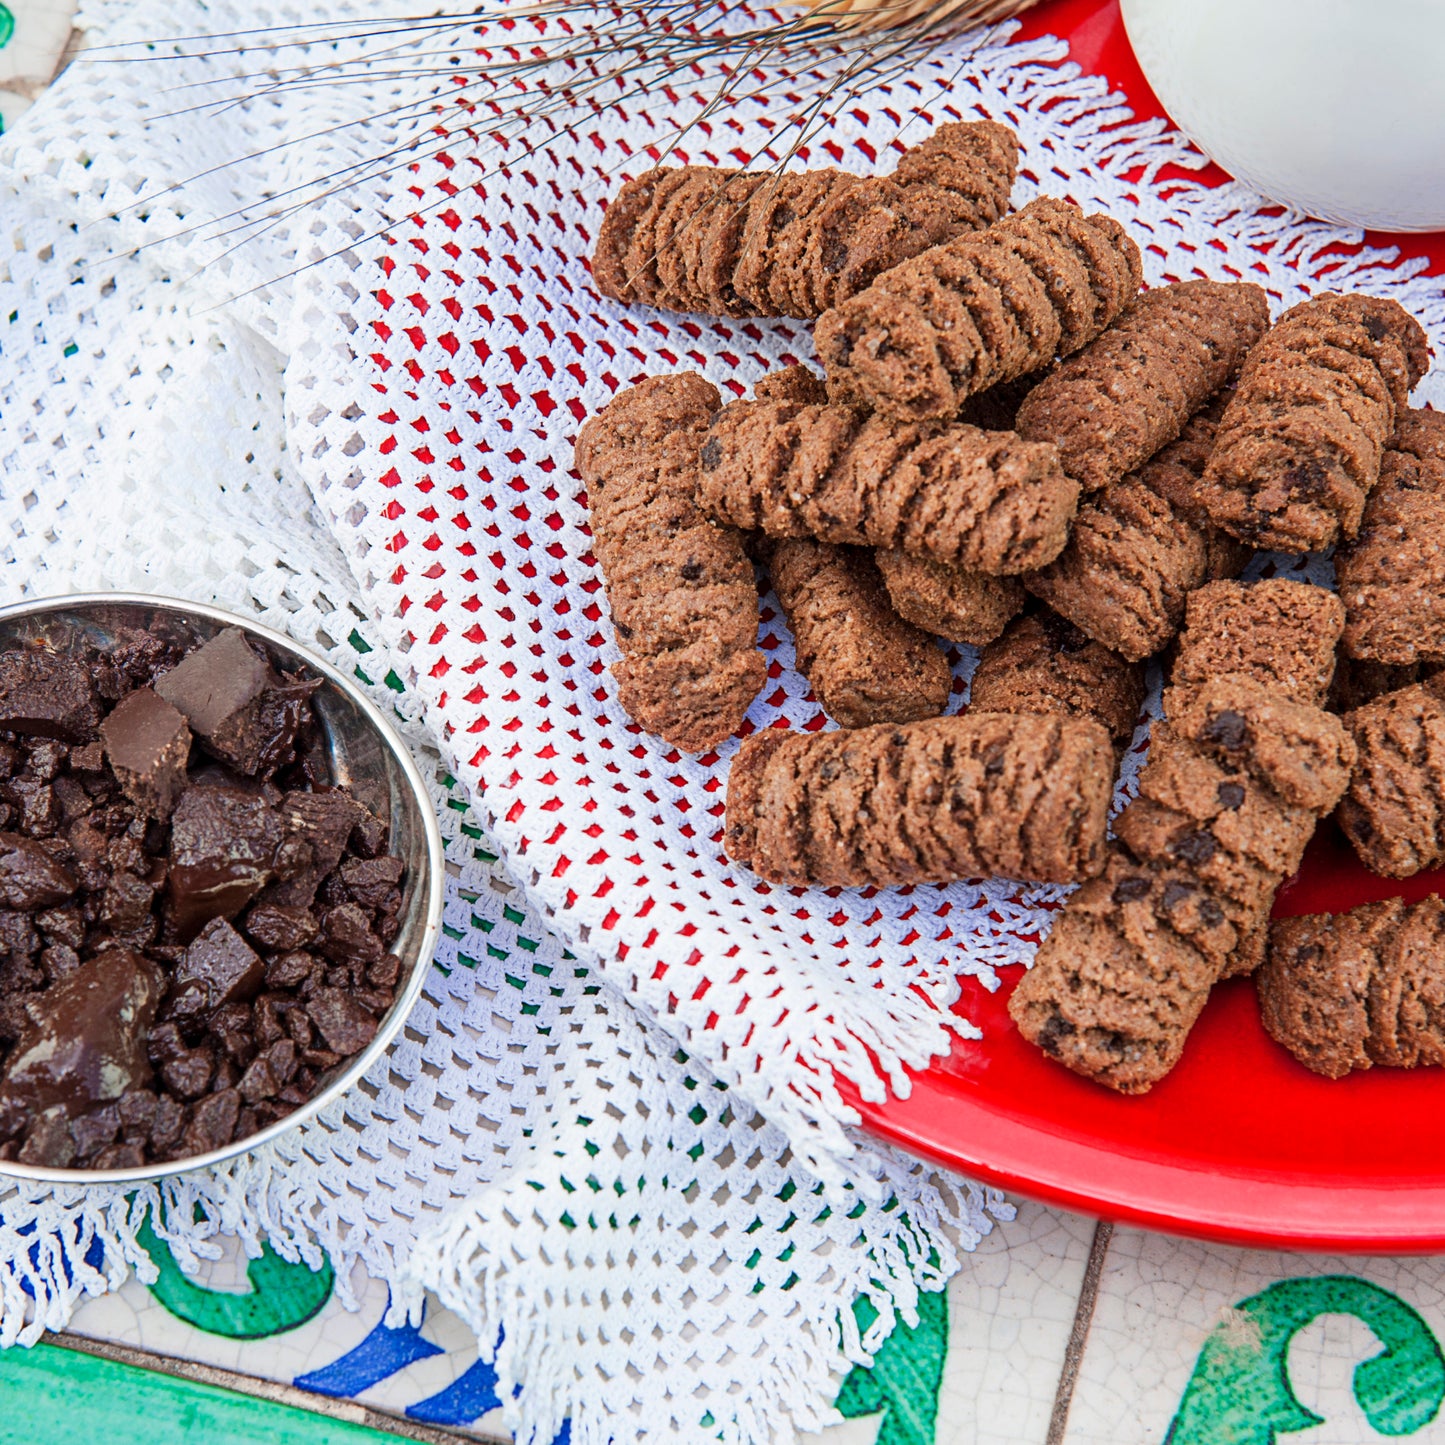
[503,84]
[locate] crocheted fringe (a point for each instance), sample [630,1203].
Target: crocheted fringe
[521,1296]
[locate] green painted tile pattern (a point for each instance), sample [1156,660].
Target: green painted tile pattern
[55,1396]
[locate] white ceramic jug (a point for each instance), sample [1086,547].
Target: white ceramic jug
[1336,107]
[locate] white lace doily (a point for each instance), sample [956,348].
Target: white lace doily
[618,1138]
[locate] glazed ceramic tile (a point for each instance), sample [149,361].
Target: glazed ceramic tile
[33,37]
[12,107]
[980,1368]
[297,1333]
[1236,1347]
[1010,1310]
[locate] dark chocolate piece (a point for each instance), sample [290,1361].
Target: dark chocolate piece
[219,967]
[216,681]
[223,847]
[148,743]
[323,822]
[340,1020]
[48,696]
[87,1037]
[236,704]
[261,738]
[30,877]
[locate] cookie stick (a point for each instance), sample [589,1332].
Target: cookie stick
[1043,664]
[1394,812]
[1279,633]
[1301,443]
[1109,407]
[1392,576]
[681,588]
[1229,798]
[876,637]
[863,661]
[951,797]
[982,309]
[986,501]
[733,243]
[955,603]
[1347,991]
[1138,548]
[814,238]
[1238,782]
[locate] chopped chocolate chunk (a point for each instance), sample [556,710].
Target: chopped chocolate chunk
[87,1039]
[341,1021]
[165,1042]
[294,858]
[44,757]
[59,961]
[44,695]
[324,821]
[29,876]
[88,759]
[368,881]
[213,1122]
[129,1154]
[92,1132]
[346,935]
[126,902]
[48,1142]
[298,1026]
[217,680]
[223,841]
[385,971]
[148,742]
[283,1058]
[261,738]
[374,1000]
[169,1121]
[137,1112]
[188,1074]
[71,798]
[17,933]
[266,1017]
[222,964]
[135,658]
[260,1081]
[369,836]
[34,802]
[276,927]
[289,970]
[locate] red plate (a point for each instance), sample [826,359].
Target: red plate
[1240,1143]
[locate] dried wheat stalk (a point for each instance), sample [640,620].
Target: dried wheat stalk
[475,88]
[882,14]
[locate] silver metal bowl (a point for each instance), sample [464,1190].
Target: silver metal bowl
[365,754]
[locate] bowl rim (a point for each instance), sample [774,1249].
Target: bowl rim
[435,861]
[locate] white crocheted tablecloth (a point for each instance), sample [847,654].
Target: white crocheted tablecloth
[611,1129]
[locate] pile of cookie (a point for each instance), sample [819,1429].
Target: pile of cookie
[1018,448]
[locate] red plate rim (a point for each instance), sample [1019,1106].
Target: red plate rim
[1384,1209]
[1223,1207]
